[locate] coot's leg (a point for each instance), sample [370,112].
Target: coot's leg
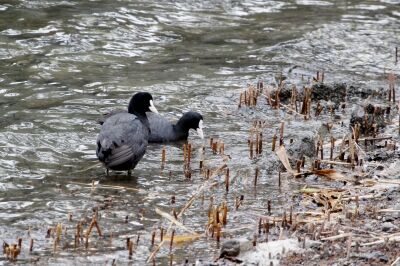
[107,172]
[129,172]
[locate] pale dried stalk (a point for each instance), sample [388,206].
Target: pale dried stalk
[187,205]
[176,222]
[391,238]
[106,186]
[336,163]
[336,237]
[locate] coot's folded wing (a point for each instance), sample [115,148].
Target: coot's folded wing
[161,130]
[122,141]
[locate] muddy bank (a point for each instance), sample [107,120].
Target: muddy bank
[348,210]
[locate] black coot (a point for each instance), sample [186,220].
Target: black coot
[123,137]
[162,130]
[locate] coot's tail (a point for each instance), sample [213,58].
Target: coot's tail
[114,156]
[102,152]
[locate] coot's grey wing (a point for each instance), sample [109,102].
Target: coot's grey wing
[105,116]
[119,156]
[127,156]
[161,130]
[122,141]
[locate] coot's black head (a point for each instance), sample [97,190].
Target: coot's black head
[192,120]
[141,103]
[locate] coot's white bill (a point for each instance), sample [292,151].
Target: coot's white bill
[199,130]
[152,108]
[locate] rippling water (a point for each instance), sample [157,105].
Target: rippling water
[65,62]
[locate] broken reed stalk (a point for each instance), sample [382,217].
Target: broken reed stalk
[218,235]
[255,95]
[31,245]
[251,148]
[279,178]
[130,249]
[342,149]
[284,220]
[358,132]
[269,207]
[256,176]
[137,240]
[306,101]
[257,143]
[293,98]
[208,174]
[319,109]
[58,231]
[352,152]
[163,155]
[274,142]
[216,216]
[238,201]
[77,234]
[250,97]
[153,237]
[260,85]
[221,148]
[171,244]
[189,157]
[58,236]
[215,147]
[92,224]
[298,166]
[224,213]
[201,164]
[260,143]
[185,153]
[277,99]
[308,115]
[227,180]
[332,148]
[392,91]
[322,148]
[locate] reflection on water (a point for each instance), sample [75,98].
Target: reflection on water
[65,62]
